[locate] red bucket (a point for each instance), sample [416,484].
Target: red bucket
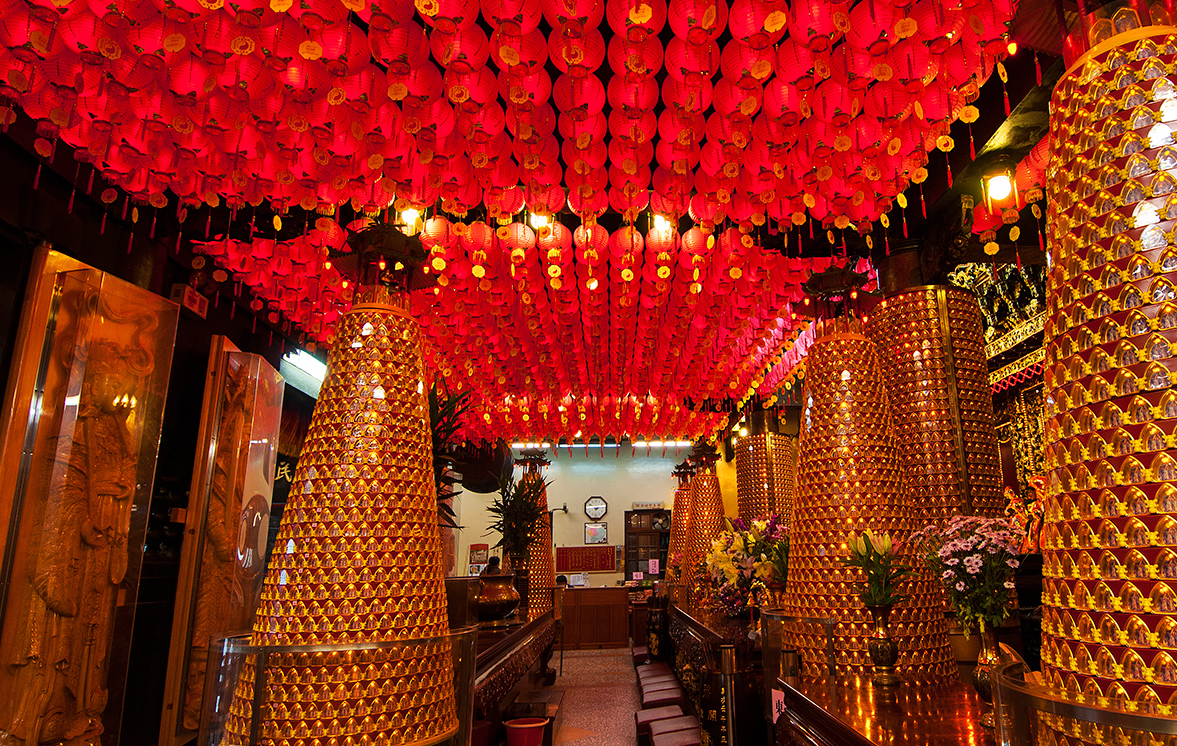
[525,731]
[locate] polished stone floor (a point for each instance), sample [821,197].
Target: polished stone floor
[600,697]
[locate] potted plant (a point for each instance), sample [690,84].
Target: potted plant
[975,559]
[876,555]
[516,510]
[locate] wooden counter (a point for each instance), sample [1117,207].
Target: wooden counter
[596,618]
[850,711]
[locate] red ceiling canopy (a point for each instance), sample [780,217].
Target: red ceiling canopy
[761,111]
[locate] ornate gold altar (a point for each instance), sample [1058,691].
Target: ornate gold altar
[849,478]
[81,426]
[932,345]
[358,555]
[540,563]
[1110,530]
[228,517]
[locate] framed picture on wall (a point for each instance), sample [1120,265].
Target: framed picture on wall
[596,533]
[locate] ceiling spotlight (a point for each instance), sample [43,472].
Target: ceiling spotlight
[997,183]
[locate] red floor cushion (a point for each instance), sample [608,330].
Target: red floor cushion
[662,698]
[670,725]
[678,738]
[643,718]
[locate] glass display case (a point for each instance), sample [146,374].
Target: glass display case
[80,434]
[379,669]
[227,522]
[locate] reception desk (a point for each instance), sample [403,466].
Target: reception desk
[596,618]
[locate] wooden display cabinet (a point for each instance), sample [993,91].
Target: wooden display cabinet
[647,537]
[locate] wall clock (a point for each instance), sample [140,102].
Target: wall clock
[595,507]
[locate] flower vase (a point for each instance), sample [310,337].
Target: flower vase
[883,650]
[987,661]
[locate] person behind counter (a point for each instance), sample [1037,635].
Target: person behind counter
[561,581]
[492,567]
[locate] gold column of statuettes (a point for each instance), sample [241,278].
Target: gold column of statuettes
[1110,530]
[764,475]
[931,340]
[849,478]
[357,557]
[680,527]
[706,525]
[541,567]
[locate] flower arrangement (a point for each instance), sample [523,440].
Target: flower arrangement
[975,559]
[875,555]
[744,561]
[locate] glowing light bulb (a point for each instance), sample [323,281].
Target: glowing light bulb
[538,221]
[1012,48]
[410,215]
[1000,187]
[661,223]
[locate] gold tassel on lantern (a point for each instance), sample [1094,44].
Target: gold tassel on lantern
[849,479]
[541,567]
[357,557]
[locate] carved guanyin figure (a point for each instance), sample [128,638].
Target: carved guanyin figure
[73,547]
[226,571]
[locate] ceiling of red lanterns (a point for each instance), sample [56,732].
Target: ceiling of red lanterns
[742,114]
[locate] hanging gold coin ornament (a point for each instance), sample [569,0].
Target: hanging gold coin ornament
[1109,538]
[358,553]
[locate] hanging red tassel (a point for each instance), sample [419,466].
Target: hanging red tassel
[102,227]
[179,235]
[994,271]
[972,145]
[90,183]
[254,330]
[73,192]
[1018,256]
[1037,69]
[126,204]
[886,243]
[130,240]
[811,229]
[1005,96]
[37,178]
[948,168]
[208,224]
[151,234]
[232,310]
[904,212]
[1041,237]
[923,205]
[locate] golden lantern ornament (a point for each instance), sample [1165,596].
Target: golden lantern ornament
[706,517]
[1109,537]
[932,343]
[849,478]
[539,563]
[764,470]
[680,523]
[358,553]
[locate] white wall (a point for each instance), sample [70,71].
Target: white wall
[619,477]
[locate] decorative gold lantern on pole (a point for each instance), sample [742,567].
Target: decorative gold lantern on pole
[932,344]
[706,517]
[1110,525]
[539,564]
[357,558]
[850,478]
[764,469]
[680,524]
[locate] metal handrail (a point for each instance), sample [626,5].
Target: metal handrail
[826,623]
[1014,699]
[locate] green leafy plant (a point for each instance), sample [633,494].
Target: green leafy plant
[516,510]
[445,414]
[875,555]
